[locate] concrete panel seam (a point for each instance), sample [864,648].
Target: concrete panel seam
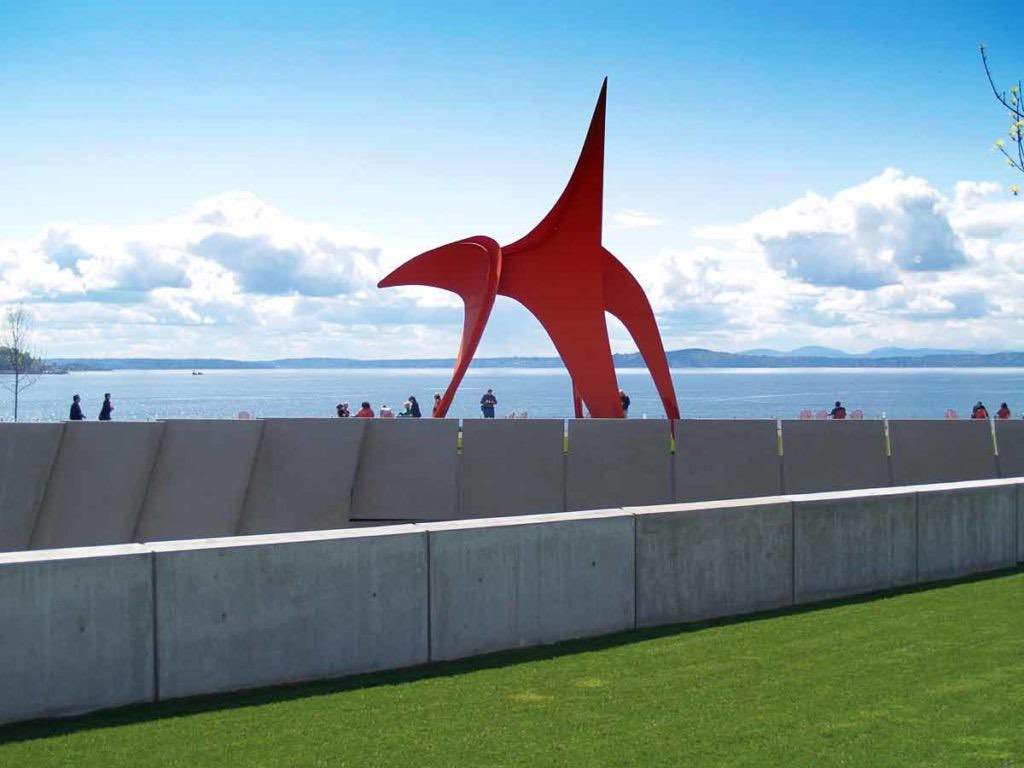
[46,488]
[240,523]
[136,534]
[917,538]
[430,597]
[636,571]
[792,553]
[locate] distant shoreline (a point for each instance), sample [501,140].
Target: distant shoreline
[683,358]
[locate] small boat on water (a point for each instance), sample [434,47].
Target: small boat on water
[197,373]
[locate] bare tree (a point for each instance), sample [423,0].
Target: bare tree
[16,356]
[1012,101]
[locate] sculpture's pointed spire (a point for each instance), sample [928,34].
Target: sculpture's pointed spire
[579,209]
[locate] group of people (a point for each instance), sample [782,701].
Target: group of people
[979,411]
[411,408]
[106,410]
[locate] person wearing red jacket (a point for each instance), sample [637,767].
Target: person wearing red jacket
[365,411]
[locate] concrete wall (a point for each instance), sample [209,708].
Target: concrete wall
[614,462]
[303,475]
[963,529]
[726,459]
[513,582]
[76,631]
[26,458]
[200,479]
[97,627]
[242,612]
[97,484]
[701,561]
[407,470]
[512,467]
[1010,437]
[854,542]
[941,451]
[834,455]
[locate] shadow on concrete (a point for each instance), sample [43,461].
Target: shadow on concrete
[140,713]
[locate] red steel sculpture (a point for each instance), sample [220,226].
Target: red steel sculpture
[564,275]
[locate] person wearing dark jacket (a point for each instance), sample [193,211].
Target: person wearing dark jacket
[839,412]
[415,407]
[76,409]
[487,404]
[107,408]
[624,399]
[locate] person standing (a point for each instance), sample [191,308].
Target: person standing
[839,412]
[1003,412]
[414,407]
[488,403]
[436,413]
[76,409]
[624,399]
[107,408]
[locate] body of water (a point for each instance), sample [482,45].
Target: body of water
[703,393]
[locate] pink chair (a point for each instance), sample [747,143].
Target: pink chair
[821,415]
[805,414]
[857,415]
[951,414]
[244,416]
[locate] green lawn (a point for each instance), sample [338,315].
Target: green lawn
[925,678]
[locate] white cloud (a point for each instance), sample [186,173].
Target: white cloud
[631,219]
[889,261]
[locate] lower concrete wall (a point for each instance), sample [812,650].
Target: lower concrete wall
[701,561]
[834,455]
[76,631]
[407,470]
[614,462]
[27,452]
[89,628]
[514,582]
[97,484]
[262,610]
[963,530]
[726,459]
[852,543]
[199,482]
[1020,523]
[512,467]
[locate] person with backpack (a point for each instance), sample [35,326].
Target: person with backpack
[979,411]
[488,403]
[839,412]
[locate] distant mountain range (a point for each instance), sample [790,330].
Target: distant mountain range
[804,357]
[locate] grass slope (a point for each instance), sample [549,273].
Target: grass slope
[924,678]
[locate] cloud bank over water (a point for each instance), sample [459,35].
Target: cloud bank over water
[892,260]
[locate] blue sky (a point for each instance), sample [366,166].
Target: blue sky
[397,127]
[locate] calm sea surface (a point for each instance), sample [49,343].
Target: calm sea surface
[704,393]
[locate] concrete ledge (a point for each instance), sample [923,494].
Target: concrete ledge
[235,614]
[407,470]
[97,485]
[27,452]
[303,474]
[834,455]
[516,582]
[853,545]
[1010,438]
[76,632]
[726,459]
[705,560]
[941,451]
[614,462]
[512,467]
[199,480]
[965,531]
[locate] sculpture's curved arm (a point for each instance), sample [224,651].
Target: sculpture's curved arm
[471,268]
